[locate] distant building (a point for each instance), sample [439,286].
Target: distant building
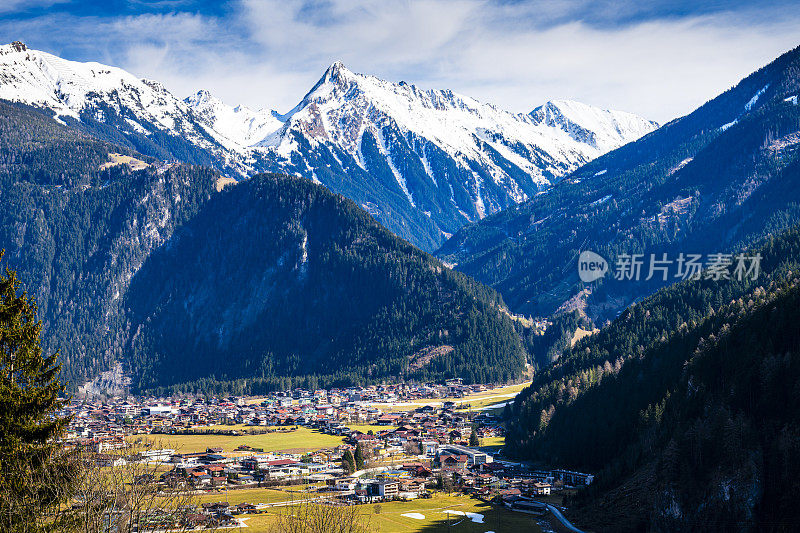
[159,410]
[541,489]
[164,454]
[388,489]
[474,457]
[573,478]
[429,448]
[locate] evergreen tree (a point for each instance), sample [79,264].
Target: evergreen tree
[348,462]
[473,438]
[35,476]
[359,458]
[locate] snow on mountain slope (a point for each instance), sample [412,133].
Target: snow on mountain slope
[42,79]
[93,92]
[605,130]
[446,156]
[564,134]
[239,124]
[422,162]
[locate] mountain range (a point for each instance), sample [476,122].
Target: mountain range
[684,404]
[422,162]
[716,180]
[713,181]
[191,281]
[127,213]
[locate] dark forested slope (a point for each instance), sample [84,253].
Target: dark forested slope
[685,406]
[77,232]
[279,277]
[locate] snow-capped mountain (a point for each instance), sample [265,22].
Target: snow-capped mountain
[602,129]
[113,104]
[422,162]
[344,106]
[434,154]
[240,124]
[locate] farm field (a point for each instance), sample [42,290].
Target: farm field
[481,399]
[425,516]
[299,440]
[473,401]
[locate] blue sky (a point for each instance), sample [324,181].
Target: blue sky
[658,59]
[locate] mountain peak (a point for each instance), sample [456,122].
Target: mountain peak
[601,128]
[199,98]
[337,73]
[13,48]
[336,67]
[239,124]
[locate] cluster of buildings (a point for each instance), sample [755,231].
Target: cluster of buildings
[330,410]
[423,447]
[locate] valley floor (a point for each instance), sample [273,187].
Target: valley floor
[285,439]
[466,514]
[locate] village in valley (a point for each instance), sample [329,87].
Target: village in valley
[418,455]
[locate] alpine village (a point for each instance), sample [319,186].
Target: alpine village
[392,308]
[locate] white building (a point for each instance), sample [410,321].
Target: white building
[474,457]
[430,447]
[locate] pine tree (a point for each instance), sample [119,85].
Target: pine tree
[359,458]
[473,438]
[348,462]
[35,474]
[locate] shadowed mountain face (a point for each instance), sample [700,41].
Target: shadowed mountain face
[422,162]
[187,278]
[278,277]
[686,407]
[713,181]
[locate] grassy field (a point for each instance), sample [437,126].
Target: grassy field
[302,439]
[426,516]
[262,495]
[480,399]
[391,519]
[492,444]
[365,428]
[472,401]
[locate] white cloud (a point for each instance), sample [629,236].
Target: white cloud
[11,6]
[658,69]
[268,53]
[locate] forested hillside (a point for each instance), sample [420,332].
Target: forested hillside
[77,233]
[186,283]
[277,277]
[686,405]
[716,180]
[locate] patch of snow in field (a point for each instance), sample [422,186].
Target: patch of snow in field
[415,516]
[601,172]
[475,517]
